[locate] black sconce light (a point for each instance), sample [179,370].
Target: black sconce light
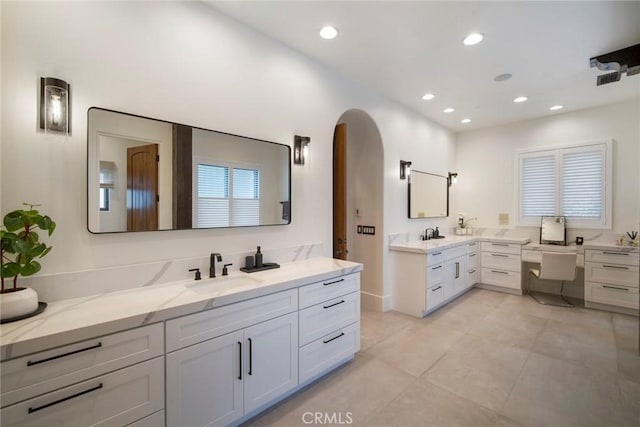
[300,149]
[55,105]
[405,169]
[453,178]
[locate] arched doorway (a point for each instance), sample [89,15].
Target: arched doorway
[359,217]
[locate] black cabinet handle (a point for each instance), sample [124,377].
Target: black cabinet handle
[334,338]
[437,253]
[500,272]
[435,268]
[616,253]
[240,360]
[472,255]
[615,287]
[457,270]
[615,266]
[499,244]
[64,399]
[250,357]
[332,283]
[333,305]
[500,255]
[472,271]
[48,359]
[435,289]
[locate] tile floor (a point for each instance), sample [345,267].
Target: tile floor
[486,359]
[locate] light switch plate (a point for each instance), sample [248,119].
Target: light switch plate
[503,218]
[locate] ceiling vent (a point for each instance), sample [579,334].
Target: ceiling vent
[621,61]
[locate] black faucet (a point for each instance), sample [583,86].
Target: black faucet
[212,263]
[426,233]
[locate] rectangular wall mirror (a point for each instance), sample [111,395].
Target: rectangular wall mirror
[428,195]
[553,230]
[146,174]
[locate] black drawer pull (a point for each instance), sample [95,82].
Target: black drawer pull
[435,289]
[501,256]
[472,271]
[435,268]
[616,253]
[240,360]
[250,357]
[334,338]
[436,253]
[333,305]
[499,272]
[615,287]
[615,266]
[472,255]
[333,283]
[48,359]
[499,244]
[64,399]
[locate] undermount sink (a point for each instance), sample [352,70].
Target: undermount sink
[221,283]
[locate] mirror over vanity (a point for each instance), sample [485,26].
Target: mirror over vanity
[553,230]
[428,195]
[146,174]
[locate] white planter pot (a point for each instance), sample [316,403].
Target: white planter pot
[18,303]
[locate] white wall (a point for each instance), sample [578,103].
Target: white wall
[485,160]
[183,62]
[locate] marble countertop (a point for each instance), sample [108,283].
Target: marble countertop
[597,245]
[605,245]
[427,246]
[77,319]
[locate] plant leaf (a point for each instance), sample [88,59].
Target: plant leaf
[46,251]
[30,268]
[20,246]
[13,220]
[36,250]
[9,269]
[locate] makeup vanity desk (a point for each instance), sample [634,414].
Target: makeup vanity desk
[532,252]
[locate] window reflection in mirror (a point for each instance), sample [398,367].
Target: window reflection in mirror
[428,195]
[145,174]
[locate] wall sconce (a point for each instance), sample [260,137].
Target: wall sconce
[55,105]
[405,169]
[453,178]
[300,149]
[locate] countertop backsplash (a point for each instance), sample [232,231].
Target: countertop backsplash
[60,286]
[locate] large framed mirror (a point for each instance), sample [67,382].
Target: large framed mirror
[428,195]
[146,174]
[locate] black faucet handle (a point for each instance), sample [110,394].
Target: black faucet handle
[198,275]
[225,270]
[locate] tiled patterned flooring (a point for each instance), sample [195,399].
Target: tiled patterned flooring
[487,359]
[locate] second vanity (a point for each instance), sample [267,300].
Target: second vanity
[210,352]
[429,274]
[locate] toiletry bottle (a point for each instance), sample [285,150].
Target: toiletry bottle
[258,257]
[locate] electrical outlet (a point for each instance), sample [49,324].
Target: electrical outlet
[359,229]
[503,218]
[369,229]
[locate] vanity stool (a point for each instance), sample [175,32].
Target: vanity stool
[554,266]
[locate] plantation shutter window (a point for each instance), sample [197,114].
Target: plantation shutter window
[538,177]
[582,183]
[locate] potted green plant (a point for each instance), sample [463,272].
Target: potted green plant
[20,247]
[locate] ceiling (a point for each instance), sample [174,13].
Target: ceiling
[406,49]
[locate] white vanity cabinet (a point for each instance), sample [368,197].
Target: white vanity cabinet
[424,282]
[611,279]
[218,381]
[502,265]
[329,324]
[111,380]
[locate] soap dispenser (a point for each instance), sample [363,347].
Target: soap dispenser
[258,257]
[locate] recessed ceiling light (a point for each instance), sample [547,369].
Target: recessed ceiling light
[465,121]
[502,77]
[556,107]
[473,38]
[428,96]
[448,110]
[520,99]
[328,32]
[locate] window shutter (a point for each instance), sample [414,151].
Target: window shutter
[538,185]
[582,183]
[213,196]
[246,197]
[107,174]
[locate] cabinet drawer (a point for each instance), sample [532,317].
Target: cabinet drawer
[620,296]
[320,320]
[497,277]
[153,420]
[327,351]
[435,257]
[42,372]
[625,275]
[435,274]
[472,260]
[198,327]
[503,248]
[456,252]
[435,295]
[612,257]
[472,247]
[473,277]
[328,289]
[501,261]
[114,399]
